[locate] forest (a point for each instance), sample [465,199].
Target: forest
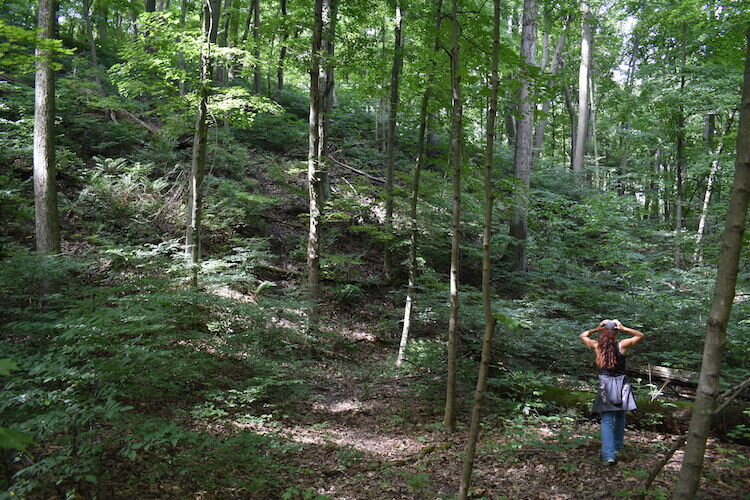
[345,249]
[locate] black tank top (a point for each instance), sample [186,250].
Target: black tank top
[619,368]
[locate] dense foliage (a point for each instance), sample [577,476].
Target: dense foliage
[117,374]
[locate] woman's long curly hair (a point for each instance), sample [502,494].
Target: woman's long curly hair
[606,352]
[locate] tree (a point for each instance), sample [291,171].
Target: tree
[398,61]
[516,251]
[489,319]
[413,229]
[45,179]
[313,172]
[211,11]
[283,50]
[327,85]
[554,67]
[583,88]
[449,418]
[255,8]
[721,305]
[714,153]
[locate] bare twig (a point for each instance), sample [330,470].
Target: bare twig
[357,171]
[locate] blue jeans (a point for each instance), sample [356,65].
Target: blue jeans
[613,433]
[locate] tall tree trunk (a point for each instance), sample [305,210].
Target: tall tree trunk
[449,418]
[516,251]
[554,67]
[282,51]
[222,39]
[681,170]
[628,121]
[658,184]
[327,83]
[181,55]
[726,280]
[598,181]
[489,319]
[413,228]
[714,153]
[86,12]
[398,62]
[103,22]
[150,5]
[679,187]
[583,88]
[313,171]
[47,220]
[256,45]
[211,10]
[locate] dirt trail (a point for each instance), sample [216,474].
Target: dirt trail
[368,435]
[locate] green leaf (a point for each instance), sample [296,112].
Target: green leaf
[14,439]
[508,322]
[7,365]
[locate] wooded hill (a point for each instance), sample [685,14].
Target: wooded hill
[260,249]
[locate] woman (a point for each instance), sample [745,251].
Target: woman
[614,398]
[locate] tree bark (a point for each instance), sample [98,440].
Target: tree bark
[681,170]
[573,120]
[724,294]
[282,51]
[489,320]
[398,61]
[583,89]
[598,181]
[313,172]
[413,229]
[211,12]
[449,418]
[327,84]
[150,5]
[47,220]
[698,254]
[181,55]
[256,46]
[516,251]
[554,67]
[679,187]
[86,13]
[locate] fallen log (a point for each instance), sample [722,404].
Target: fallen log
[357,171]
[685,378]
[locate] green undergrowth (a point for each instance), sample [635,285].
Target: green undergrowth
[121,375]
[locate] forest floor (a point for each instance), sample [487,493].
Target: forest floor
[366,434]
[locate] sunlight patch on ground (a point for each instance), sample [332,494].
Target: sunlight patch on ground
[349,437]
[342,406]
[227,293]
